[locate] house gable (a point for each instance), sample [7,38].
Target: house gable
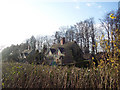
[60,51]
[51,51]
[66,53]
[25,53]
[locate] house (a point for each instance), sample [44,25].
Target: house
[64,53]
[26,52]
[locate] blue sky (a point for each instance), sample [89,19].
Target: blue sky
[67,13]
[19,19]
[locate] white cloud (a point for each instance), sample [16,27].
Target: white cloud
[88,4]
[77,7]
[99,6]
[93,4]
[75,0]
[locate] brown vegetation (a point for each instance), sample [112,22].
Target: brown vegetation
[16,75]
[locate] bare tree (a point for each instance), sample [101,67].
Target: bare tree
[110,25]
[57,36]
[80,33]
[63,30]
[32,42]
[92,34]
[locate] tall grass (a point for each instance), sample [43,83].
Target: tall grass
[16,75]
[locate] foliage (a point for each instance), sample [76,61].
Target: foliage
[12,53]
[35,57]
[110,62]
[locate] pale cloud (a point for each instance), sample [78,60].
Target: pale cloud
[99,6]
[88,4]
[77,7]
[75,0]
[93,4]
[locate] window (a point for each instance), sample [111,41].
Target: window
[61,57]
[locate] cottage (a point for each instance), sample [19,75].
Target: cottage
[25,53]
[64,53]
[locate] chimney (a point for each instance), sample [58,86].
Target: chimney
[62,41]
[28,47]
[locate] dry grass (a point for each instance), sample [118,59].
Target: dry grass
[16,75]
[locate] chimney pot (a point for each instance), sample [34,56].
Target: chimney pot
[62,40]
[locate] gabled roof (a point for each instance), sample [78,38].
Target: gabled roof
[61,49]
[67,45]
[52,50]
[71,51]
[27,51]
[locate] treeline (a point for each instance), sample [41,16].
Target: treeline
[12,52]
[85,33]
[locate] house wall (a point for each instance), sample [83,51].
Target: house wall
[50,53]
[59,53]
